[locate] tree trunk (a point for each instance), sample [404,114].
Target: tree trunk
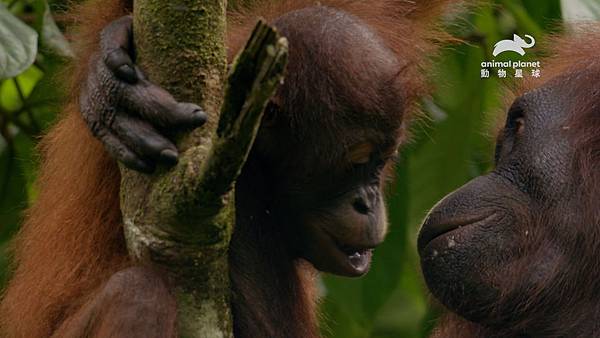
[180,219]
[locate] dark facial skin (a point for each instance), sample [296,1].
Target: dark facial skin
[490,250]
[325,140]
[326,147]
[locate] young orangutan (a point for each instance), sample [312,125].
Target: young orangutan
[309,197]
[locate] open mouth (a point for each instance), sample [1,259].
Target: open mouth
[359,258]
[433,229]
[355,260]
[341,256]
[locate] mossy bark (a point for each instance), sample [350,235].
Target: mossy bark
[180,219]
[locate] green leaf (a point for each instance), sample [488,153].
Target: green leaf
[13,193]
[18,44]
[524,20]
[546,13]
[51,36]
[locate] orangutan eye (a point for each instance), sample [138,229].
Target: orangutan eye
[515,124]
[361,153]
[514,129]
[520,125]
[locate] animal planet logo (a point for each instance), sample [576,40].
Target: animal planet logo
[517,45]
[503,68]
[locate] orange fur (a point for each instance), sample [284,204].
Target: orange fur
[72,240]
[411,29]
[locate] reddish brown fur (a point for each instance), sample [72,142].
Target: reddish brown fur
[409,28]
[576,61]
[72,241]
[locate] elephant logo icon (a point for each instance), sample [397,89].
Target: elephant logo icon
[517,45]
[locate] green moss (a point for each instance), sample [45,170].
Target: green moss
[181,46]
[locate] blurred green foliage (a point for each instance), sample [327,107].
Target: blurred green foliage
[451,144]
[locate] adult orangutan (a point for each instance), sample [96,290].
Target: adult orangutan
[515,253]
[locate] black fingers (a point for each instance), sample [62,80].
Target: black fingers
[143,98]
[154,104]
[121,65]
[129,114]
[117,149]
[117,49]
[142,138]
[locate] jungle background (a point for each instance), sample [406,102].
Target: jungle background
[451,144]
